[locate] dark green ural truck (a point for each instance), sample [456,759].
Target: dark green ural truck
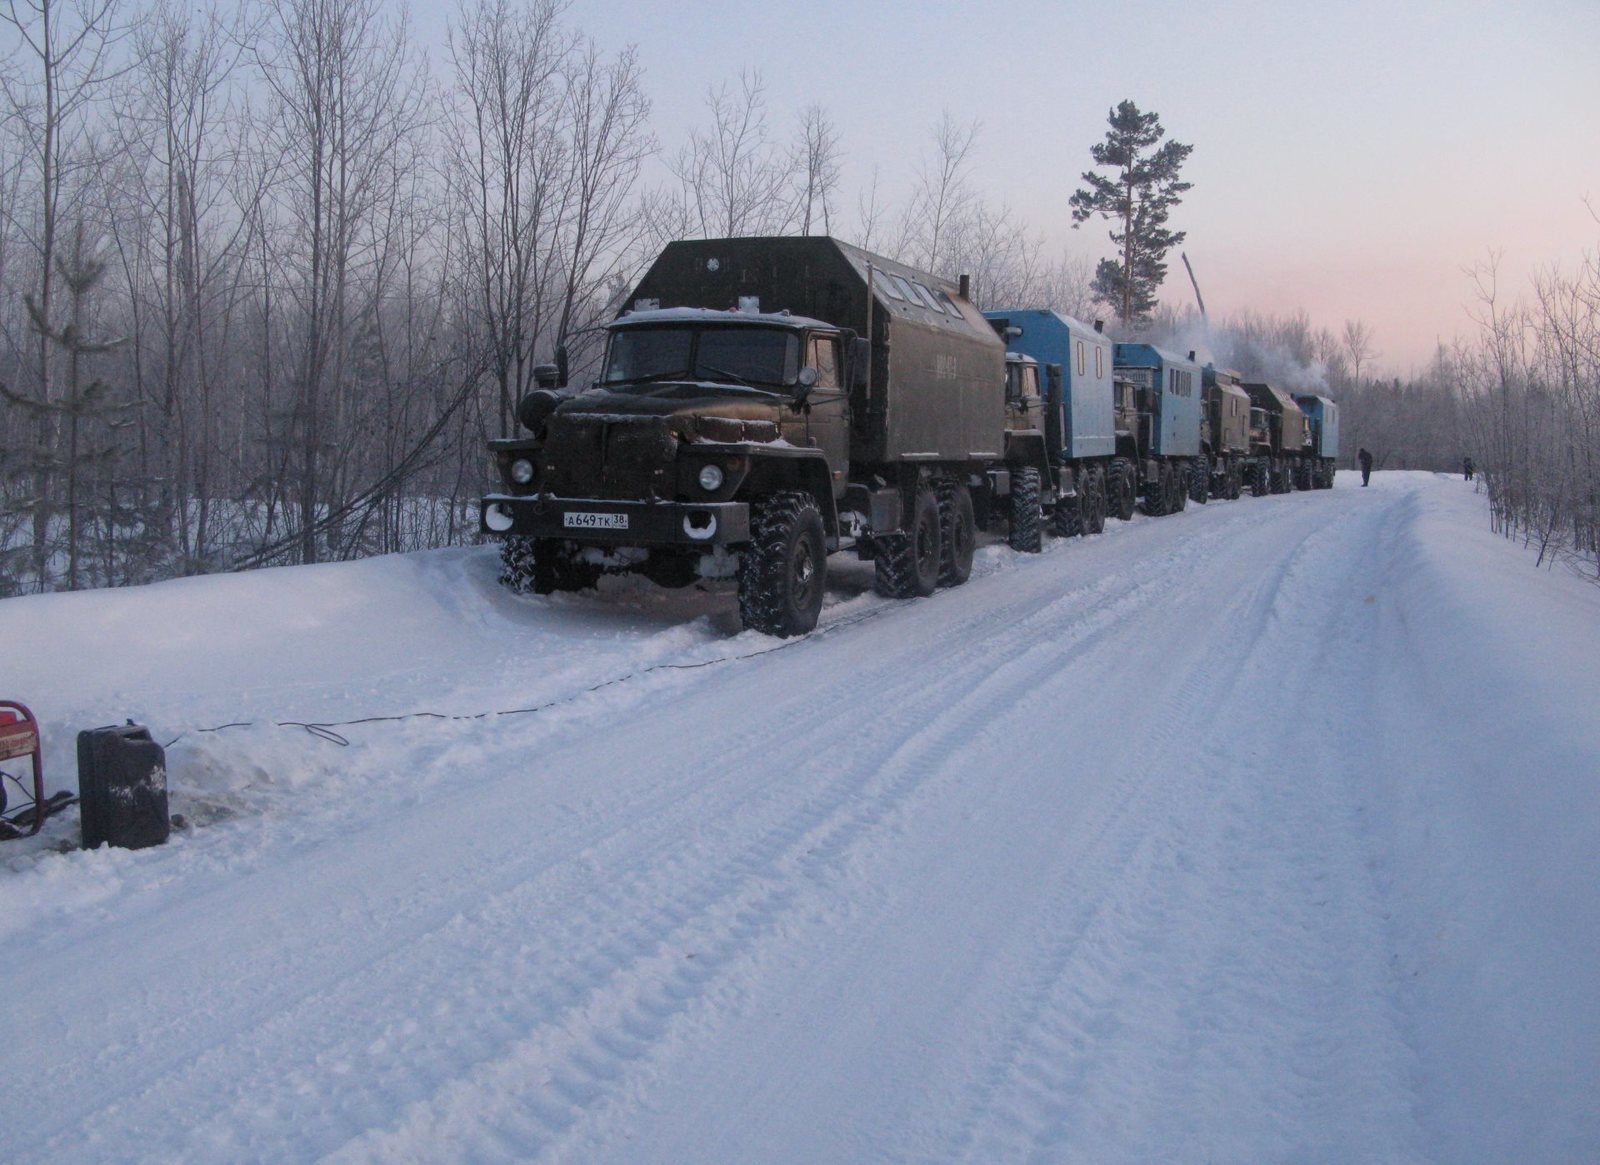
[762,403]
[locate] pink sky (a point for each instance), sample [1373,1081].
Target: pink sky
[1351,158]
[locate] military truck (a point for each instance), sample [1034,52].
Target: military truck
[762,403]
[1169,394]
[1280,439]
[1321,460]
[1059,371]
[1224,434]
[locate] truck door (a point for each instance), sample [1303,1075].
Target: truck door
[828,422]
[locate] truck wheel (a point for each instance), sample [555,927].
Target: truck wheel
[907,565]
[1025,513]
[1094,518]
[516,564]
[1200,480]
[1122,491]
[1158,492]
[1070,517]
[782,571]
[1261,478]
[958,537]
[1180,489]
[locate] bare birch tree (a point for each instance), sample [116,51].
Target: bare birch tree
[65,55]
[348,104]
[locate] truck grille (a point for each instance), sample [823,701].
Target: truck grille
[593,455]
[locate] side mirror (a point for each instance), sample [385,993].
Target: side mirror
[806,380]
[859,355]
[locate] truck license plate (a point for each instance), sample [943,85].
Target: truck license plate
[582,521]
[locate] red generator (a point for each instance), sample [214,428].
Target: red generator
[19,738]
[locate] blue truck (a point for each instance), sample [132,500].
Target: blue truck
[1169,392]
[1061,393]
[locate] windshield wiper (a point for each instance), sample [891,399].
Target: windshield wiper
[734,380]
[675,374]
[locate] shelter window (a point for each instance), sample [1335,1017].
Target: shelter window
[1080,358]
[949,305]
[927,297]
[1099,362]
[887,282]
[906,291]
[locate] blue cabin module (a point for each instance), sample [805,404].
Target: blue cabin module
[1323,414]
[1173,386]
[1088,420]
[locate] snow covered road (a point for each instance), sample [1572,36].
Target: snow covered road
[1262,832]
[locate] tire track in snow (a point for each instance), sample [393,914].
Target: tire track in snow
[819,832]
[1143,966]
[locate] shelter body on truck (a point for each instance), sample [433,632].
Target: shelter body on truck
[762,403]
[1322,457]
[1089,459]
[1224,432]
[1170,392]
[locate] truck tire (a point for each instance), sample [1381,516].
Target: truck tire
[783,571]
[1068,519]
[1158,492]
[1180,488]
[1200,480]
[1097,505]
[1261,478]
[1026,517]
[516,564]
[907,565]
[1122,490]
[958,534]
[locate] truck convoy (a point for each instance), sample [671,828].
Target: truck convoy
[765,402]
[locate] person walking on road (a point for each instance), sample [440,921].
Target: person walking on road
[1366,466]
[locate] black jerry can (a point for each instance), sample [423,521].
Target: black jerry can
[122,787]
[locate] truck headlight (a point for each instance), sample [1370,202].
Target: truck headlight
[711,478]
[522,471]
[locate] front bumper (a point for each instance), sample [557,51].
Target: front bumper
[599,522]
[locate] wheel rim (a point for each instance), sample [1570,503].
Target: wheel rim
[803,576]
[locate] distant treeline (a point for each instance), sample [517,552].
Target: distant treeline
[268,282]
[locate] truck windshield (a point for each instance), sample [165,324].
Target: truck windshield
[769,357]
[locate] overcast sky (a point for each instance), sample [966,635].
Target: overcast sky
[1350,158]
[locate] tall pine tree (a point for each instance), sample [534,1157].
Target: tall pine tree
[1144,189]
